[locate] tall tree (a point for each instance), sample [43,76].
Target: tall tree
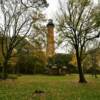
[38,36]
[18,17]
[78,25]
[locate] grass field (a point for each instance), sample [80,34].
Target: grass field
[54,87]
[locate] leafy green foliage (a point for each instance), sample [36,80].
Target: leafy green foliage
[29,64]
[60,59]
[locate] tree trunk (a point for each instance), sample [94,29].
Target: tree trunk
[4,69]
[81,73]
[80,69]
[59,71]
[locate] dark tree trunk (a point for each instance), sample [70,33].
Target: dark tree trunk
[80,69]
[4,69]
[59,71]
[94,73]
[81,73]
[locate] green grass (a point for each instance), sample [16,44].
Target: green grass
[54,87]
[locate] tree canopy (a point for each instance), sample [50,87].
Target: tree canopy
[78,24]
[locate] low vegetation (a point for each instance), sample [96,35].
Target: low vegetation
[40,87]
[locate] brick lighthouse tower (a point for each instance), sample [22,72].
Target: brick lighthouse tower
[50,50]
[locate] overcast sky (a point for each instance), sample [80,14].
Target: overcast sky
[53,7]
[50,13]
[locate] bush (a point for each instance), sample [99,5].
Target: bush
[93,70]
[30,65]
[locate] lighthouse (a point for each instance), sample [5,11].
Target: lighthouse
[50,50]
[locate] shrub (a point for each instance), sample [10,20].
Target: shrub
[30,65]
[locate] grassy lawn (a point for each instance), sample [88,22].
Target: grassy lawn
[54,87]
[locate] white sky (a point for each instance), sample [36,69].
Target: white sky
[53,4]
[52,8]
[50,14]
